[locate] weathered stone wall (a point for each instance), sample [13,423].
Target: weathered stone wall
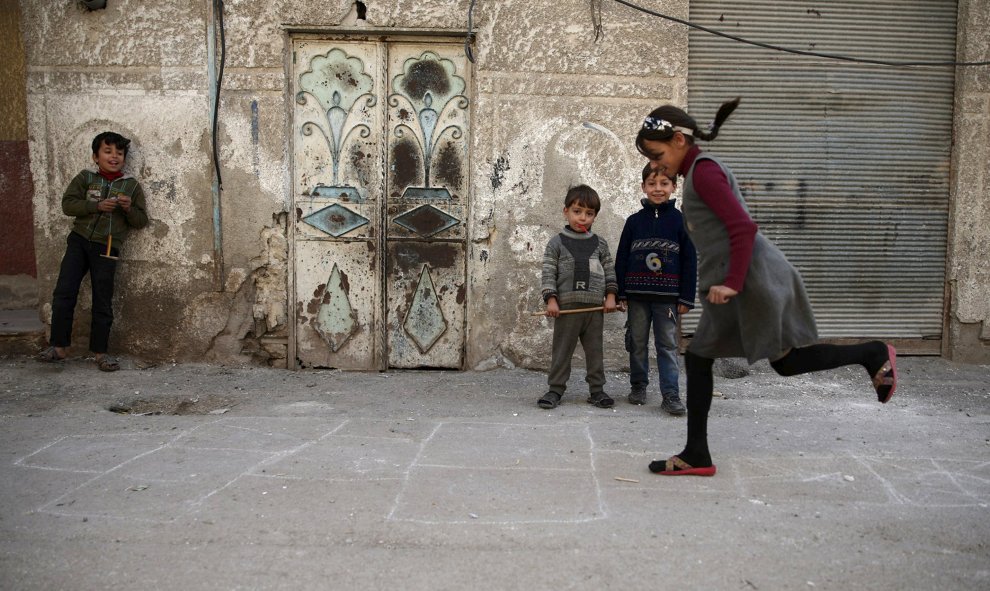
[967,336]
[551,108]
[141,69]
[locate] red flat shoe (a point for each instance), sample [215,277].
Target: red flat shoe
[675,466]
[885,380]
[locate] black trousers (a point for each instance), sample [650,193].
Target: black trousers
[81,257]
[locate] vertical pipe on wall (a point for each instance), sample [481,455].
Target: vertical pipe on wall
[289,59]
[213,77]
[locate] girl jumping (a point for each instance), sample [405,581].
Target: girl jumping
[753,301]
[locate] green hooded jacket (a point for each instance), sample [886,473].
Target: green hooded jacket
[83,194]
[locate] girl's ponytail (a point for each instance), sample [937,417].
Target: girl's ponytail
[723,113]
[663,122]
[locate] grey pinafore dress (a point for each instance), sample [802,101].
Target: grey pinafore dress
[770,315]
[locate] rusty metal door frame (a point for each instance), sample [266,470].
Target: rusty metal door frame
[386,37]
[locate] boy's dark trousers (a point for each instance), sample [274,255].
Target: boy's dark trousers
[567,330]
[81,257]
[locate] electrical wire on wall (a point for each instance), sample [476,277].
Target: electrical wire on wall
[470,34]
[218,10]
[597,25]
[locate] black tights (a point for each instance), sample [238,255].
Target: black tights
[870,355]
[700,383]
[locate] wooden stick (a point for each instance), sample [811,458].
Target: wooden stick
[109,242]
[621,479]
[562,312]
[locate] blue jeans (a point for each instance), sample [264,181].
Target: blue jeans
[662,316]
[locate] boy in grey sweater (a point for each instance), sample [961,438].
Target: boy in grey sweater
[578,273]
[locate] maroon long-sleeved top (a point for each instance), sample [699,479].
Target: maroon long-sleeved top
[712,186]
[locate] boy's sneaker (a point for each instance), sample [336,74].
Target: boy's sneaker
[673,405]
[637,395]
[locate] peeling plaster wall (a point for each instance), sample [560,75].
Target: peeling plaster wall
[546,119]
[141,69]
[968,323]
[149,81]
[550,108]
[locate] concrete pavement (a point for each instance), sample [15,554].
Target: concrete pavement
[248,478]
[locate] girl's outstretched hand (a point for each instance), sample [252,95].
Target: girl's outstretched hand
[720,294]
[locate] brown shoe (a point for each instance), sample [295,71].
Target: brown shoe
[50,355]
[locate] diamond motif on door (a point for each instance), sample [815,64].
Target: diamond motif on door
[426,220]
[336,320]
[424,322]
[335,220]
[380,155]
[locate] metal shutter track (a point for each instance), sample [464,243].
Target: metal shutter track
[845,166]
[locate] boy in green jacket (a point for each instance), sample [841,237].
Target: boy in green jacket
[106,204]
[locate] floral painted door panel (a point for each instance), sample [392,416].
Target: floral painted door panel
[380,192]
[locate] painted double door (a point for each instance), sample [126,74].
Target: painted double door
[380,182]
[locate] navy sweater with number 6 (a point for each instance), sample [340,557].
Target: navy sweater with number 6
[656,259]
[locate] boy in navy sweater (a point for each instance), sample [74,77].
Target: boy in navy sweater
[656,270]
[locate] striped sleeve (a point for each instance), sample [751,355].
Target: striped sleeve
[548,281]
[605,256]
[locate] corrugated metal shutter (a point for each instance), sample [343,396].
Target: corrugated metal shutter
[845,166]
